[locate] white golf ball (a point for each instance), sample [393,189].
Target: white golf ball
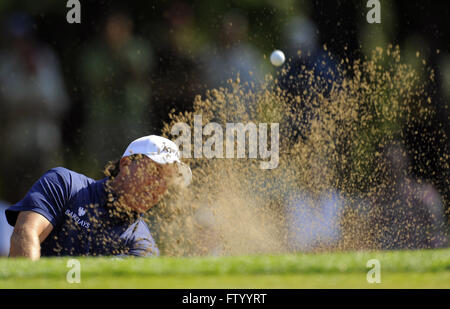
[277,58]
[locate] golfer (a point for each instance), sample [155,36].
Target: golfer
[66,213]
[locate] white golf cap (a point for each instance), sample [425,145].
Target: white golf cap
[162,151]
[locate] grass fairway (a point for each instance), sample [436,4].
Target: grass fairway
[404,269]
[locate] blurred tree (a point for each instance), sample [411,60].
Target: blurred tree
[115,70]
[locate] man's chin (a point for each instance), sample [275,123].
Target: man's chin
[141,210]
[144,206]
[136,206]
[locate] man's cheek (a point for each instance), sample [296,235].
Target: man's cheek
[148,197]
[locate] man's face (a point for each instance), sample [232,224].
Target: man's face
[142,182]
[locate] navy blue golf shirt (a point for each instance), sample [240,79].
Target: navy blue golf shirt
[83,223]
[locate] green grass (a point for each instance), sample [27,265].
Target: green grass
[403,269]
